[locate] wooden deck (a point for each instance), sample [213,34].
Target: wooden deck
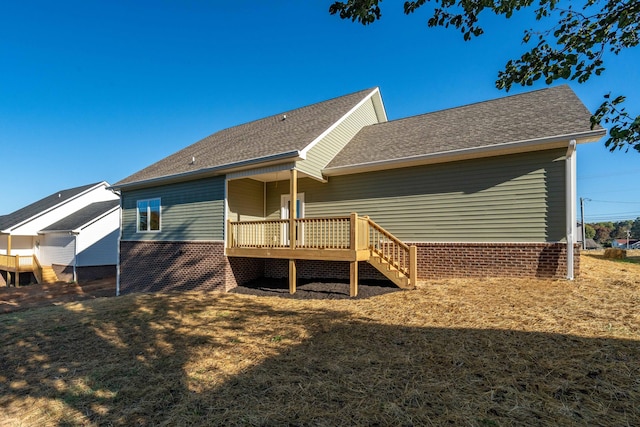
[21,264]
[351,238]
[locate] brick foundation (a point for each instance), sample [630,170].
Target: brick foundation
[172,266]
[179,266]
[457,260]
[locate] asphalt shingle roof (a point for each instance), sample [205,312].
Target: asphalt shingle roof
[258,139]
[22,214]
[539,114]
[83,216]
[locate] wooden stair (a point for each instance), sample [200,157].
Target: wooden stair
[49,275]
[390,271]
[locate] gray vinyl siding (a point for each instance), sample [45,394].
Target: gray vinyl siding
[515,198]
[192,210]
[325,150]
[246,200]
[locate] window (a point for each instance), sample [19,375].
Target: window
[149,215]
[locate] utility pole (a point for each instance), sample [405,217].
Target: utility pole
[628,237]
[584,237]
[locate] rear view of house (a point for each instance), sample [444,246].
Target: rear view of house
[70,235]
[334,190]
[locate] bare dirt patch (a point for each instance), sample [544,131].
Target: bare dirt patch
[315,288]
[31,296]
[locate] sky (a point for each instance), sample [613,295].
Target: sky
[96,90]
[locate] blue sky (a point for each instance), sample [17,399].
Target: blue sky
[97,90]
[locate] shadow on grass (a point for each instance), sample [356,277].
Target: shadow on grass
[229,360]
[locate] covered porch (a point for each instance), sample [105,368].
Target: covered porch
[350,238]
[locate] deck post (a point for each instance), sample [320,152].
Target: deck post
[8,244]
[353,244]
[353,279]
[292,276]
[229,234]
[413,265]
[293,213]
[353,228]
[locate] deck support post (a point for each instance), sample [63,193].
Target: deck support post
[8,253]
[353,267]
[353,279]
[292,276]
[413,265]
[293,214]
[293,211]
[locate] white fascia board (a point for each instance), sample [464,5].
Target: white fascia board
[274,159]
[547,143]
[313,143]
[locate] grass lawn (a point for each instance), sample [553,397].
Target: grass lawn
[474,352]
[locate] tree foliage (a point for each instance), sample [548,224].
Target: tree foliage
[607,231]
[572,48]
[635,229]
[589,231]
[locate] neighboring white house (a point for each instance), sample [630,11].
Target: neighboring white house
[624,243]
[69,235]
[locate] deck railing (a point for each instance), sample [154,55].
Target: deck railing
[259,234]
[352,232]
[311,233]
[16,263]
[389,247]
[323,233]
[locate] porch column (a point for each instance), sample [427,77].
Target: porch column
[293,192]
[353,267]
[8,253]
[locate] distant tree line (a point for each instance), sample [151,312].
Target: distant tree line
[604,232]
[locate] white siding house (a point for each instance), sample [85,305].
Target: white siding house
[56,237]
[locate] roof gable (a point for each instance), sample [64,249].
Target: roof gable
[41,206]
[281,134]
[540,114]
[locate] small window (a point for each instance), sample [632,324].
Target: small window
[149,215]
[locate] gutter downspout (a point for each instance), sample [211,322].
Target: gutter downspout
[119,194]
[119,242]
[75,257]
[570,190]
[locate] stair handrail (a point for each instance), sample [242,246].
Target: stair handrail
[37,269]
[394,251]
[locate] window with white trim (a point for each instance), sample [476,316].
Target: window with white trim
[149,215]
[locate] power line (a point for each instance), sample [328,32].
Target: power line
[609,201]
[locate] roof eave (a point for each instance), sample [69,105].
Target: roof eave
[515,147]
[212,171]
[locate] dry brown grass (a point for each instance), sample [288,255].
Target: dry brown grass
[492,352]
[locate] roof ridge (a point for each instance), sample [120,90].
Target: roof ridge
[472,104]
[289,111]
